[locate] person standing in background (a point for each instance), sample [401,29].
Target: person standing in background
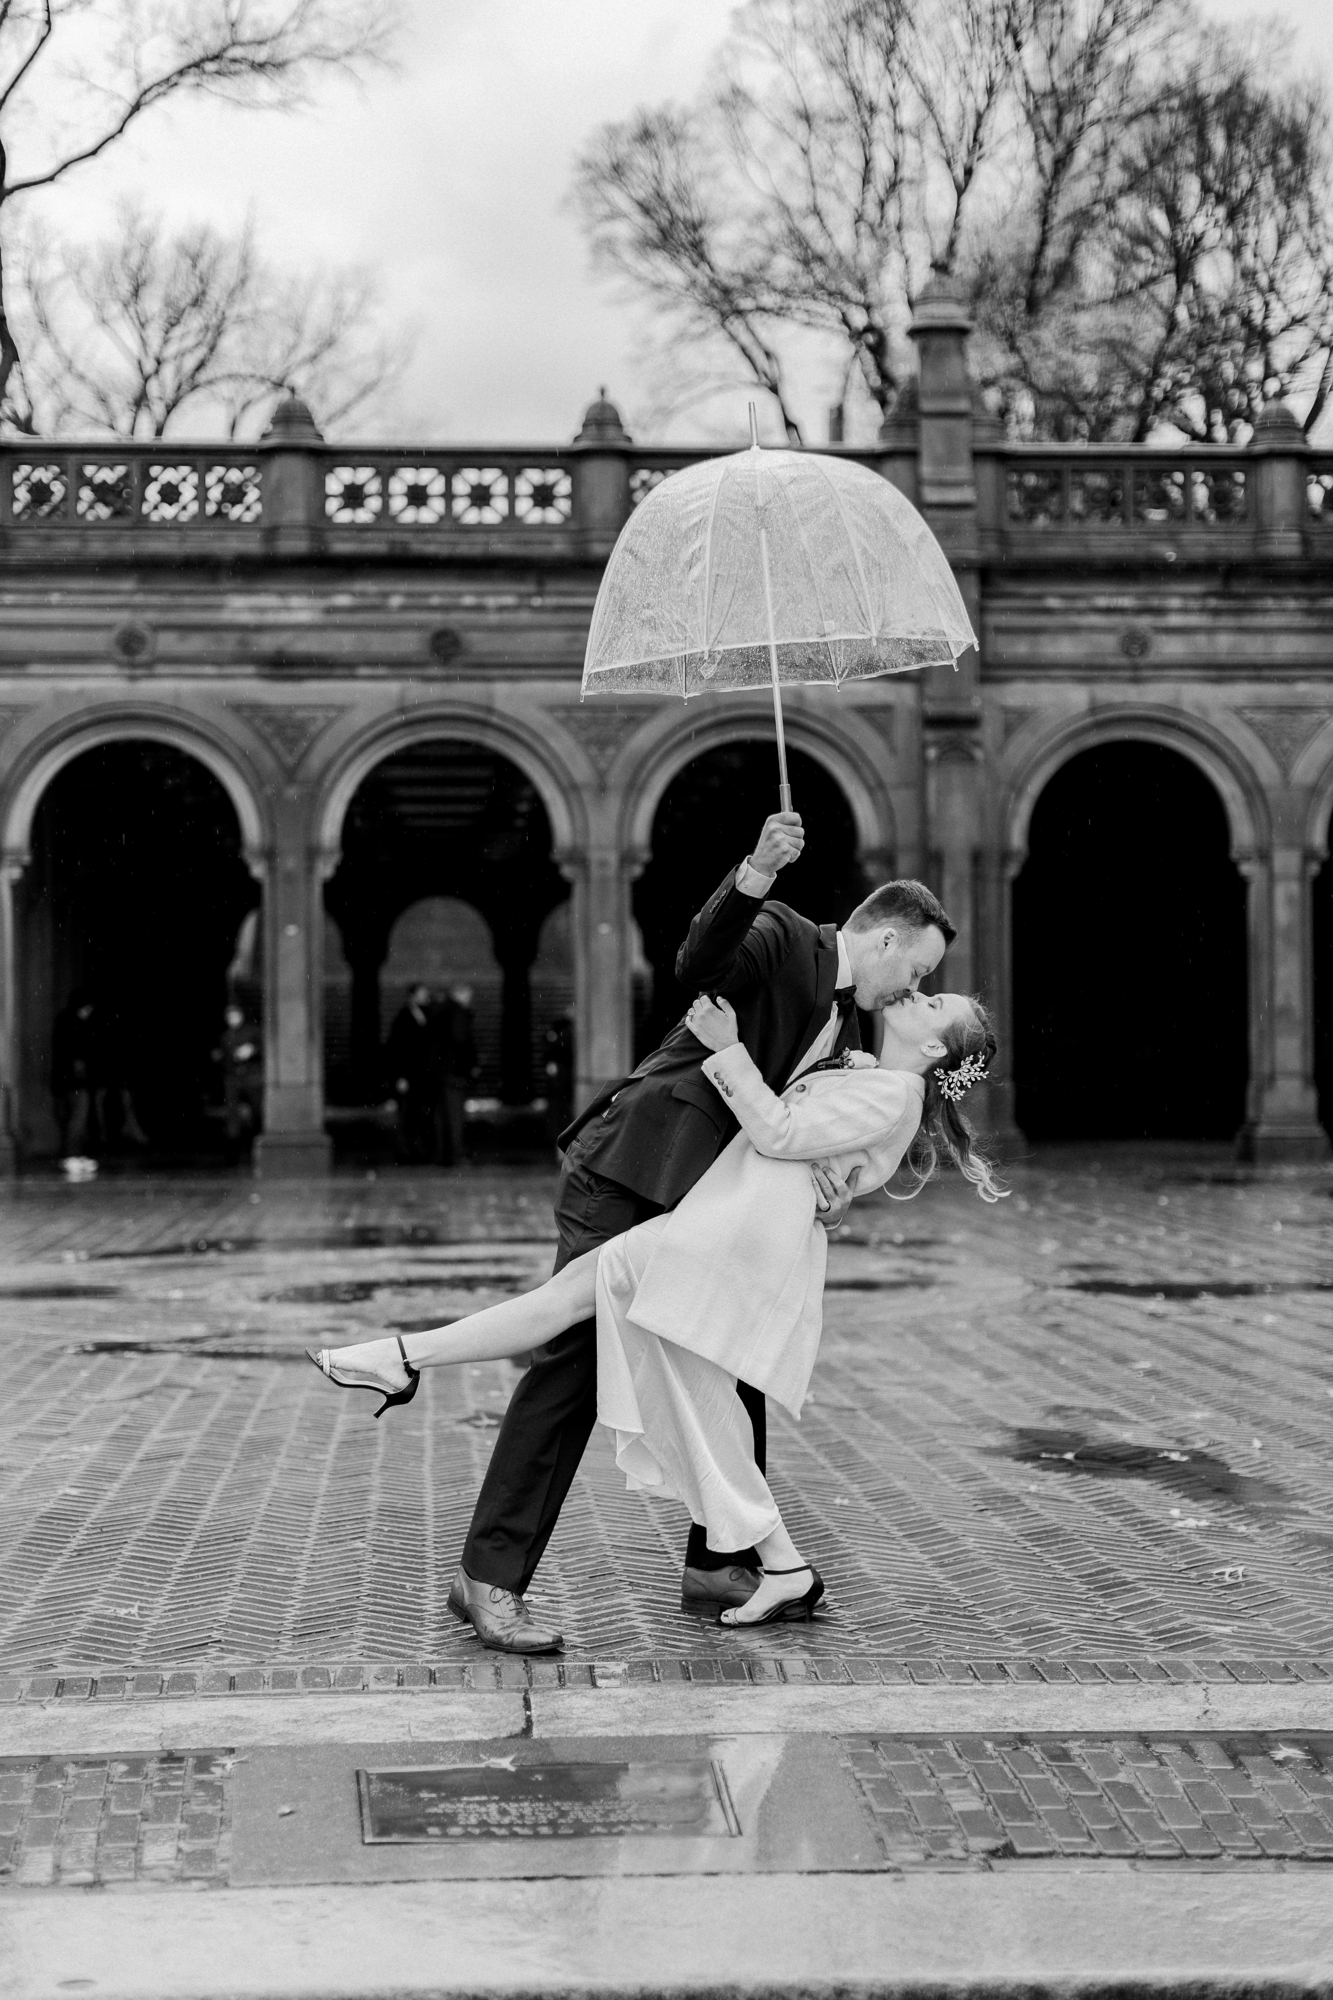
[75,1075]
[413,1061]
[458,1041]
[241,1053]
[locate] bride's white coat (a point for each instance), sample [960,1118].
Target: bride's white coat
[735,1273]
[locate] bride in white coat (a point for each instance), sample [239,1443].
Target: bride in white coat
[730,1282]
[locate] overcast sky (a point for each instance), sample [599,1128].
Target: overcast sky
[449,177]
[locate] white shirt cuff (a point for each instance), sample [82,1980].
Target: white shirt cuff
[750,882]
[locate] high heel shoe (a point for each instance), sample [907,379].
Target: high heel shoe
[347,1378]
[793,1608]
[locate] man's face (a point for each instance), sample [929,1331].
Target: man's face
[892,960]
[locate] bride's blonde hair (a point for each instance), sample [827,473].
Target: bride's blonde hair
[943,1128]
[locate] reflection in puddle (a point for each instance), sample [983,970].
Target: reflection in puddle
[879,1284]
[356,1291]
[194,1349]
[1204,1288]
[1198,1475]
[59,1291]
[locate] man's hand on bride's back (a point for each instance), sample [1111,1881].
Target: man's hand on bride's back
[780,842]
[713,1022]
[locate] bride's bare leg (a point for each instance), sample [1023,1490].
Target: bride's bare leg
[515,1326]
[777,1552]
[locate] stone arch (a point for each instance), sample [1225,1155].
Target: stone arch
[665,752]
[1215,755]
[1224,829]
[521,742]
[1319,822]
[69,737]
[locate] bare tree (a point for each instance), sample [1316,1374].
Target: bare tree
[1136,207]
[144,329]
[76,75]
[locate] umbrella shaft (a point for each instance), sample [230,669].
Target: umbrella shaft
[784,789]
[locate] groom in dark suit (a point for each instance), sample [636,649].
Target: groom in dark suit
[637,1149]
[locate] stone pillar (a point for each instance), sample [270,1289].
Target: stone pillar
[1278,449]
[993,977]
[293,1140]
[898,443]
[1282,1121]
[953,800]
[601,477]
[951,699]
[603,974]
[293,502]
[11,868]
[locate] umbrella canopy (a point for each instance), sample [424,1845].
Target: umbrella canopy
[771,566]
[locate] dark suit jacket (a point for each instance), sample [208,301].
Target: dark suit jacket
[659,1130]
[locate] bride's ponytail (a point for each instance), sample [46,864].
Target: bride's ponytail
[971,1047]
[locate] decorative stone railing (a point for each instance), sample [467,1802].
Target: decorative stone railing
[1093,487]
[300,495]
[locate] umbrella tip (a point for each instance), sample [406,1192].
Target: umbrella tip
[754,429]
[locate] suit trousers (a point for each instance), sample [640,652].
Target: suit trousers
[554,1407]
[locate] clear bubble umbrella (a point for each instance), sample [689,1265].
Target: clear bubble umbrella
[769,567]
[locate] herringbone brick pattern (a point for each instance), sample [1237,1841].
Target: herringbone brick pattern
[1093,1423]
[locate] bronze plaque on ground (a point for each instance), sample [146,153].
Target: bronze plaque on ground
[551,1801]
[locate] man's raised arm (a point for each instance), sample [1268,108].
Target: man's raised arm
[723,945]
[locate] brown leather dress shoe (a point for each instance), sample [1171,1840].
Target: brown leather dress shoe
[500,1618]
[706,1593]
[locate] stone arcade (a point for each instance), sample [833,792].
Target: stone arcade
[327,637]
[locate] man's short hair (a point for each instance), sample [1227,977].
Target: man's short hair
[909,905]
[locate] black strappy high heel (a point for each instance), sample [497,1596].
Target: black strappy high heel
[344,1379]
[795,1608]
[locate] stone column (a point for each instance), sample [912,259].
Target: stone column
[293,499]
[951,699]
[953,801]
[601,477]
[293,1140]
[1282,1120]
[994,979]
[1279,450]
[11,868]
[603,976]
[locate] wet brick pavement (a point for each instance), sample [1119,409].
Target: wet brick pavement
[933,1801]
[68,1822]
[1092,1428]
[1028,1798]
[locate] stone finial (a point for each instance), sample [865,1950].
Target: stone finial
[987,429]
[939,307]
[602,424]
[1278,425]
[292,423]
[900,426]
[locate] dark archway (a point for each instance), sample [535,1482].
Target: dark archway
[1130,953]
[1323,992]
[136,893]
[444,819]
[708,820]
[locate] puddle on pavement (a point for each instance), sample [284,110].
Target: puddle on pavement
[60,1291]
[356,1236]
[194,1349]
[1196,1475]
[357,1291]
[1205,1288]
[879,1284]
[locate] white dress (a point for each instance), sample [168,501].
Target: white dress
[730,1285]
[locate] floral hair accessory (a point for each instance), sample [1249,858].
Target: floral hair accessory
[955,1083]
